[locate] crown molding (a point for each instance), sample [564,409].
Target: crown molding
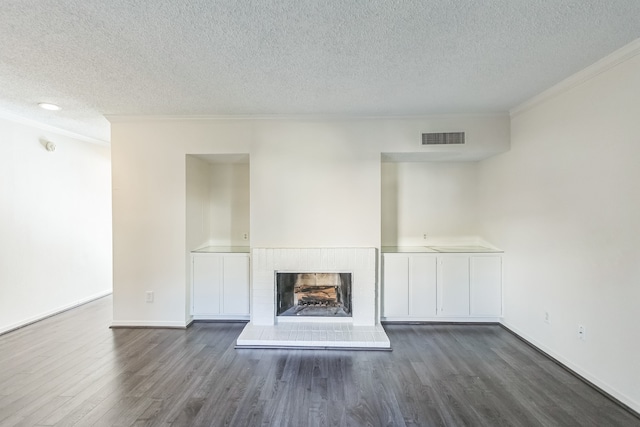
[49,128]
[608,62]
[118,118]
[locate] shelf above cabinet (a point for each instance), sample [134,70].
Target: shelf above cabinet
[222,250]
[407,249]
[465,249]
[439,249]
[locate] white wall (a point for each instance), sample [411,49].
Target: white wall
[313,183]
[149,212]
[485,136]
[564,204]
[229,204]
[198,203]
[55,223]
[436,198]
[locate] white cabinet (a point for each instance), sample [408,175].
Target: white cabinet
[422,286]
[220,285]
[206,283]
[452,287]
[486,285]
[396,286]
[235,284]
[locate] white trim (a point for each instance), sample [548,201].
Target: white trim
[149,324]
[49,128]
[610,61]
[577,369]
[239,317]
[116,118]
[459,319]
[42,316]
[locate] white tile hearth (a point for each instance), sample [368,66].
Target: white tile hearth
[314,335]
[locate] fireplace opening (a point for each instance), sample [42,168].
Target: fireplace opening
[314,294]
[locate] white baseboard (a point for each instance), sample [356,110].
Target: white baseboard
[149,324]
[442,319]
[220,317]
[58,310]
[624,399]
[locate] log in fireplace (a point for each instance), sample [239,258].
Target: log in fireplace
[313,294]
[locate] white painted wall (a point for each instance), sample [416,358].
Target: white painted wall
[198,203]
[564,204]
[437,198]
[229,204]
[149,212]
[401,139]
[313,183]
[55,223]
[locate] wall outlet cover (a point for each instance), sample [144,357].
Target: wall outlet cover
[582,332]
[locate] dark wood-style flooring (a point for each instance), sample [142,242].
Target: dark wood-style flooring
[71,369]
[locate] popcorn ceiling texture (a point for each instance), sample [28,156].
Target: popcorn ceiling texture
[294,57]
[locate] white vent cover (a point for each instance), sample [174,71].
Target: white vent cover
[443,138]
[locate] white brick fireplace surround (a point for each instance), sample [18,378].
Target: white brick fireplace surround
[362,330]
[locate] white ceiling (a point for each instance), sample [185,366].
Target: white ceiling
[294,57]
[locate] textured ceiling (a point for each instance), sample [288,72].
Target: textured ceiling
[294,57]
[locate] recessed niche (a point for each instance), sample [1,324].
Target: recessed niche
[217,193]
[423,203]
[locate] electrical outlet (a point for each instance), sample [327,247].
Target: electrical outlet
[424,236]
[546,317]
[245,236]
[582,332]
[149,296]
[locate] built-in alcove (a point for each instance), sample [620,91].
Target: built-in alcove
[438,199]
[217,200]
[217,222]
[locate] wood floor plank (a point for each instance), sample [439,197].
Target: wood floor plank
[72,370]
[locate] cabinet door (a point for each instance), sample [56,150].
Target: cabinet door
[422,286]
[396,286]
[453,285]
[235,284]
[207,281]
[486,285]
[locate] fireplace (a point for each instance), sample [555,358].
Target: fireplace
[336,296]
[313,294]
[359,263]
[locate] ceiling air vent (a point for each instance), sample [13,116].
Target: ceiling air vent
[443,138]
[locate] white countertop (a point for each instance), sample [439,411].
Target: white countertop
[222,250]
[439,249]
[385,249]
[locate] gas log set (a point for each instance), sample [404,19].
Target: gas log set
[314,294]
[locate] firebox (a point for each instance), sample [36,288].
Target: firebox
[313,294]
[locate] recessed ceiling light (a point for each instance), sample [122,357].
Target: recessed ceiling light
[47,106]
